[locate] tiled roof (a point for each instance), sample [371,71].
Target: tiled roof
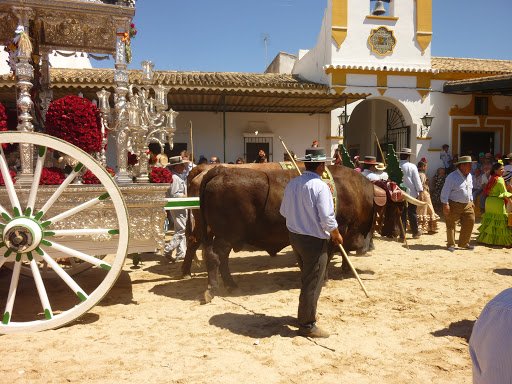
[453,64]
[495,85]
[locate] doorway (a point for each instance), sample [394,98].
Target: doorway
[472,143]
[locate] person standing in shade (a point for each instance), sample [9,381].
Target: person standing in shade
[414,188]
[309,211]
[178,189]
[369,168]
[447,158]
[457,200]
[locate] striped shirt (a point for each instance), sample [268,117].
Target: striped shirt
[490,345]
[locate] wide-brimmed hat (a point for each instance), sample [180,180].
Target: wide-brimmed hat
[508,157]
[315,155]
[465,159]
[176,160]
[380,167]
[406,151]
[371,160]
[162,159]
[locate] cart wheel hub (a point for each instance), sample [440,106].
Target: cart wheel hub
[22,235]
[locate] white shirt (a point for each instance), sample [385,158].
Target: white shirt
[307,206]
[370,175]
[411,178]
[490,345]
[446,158]
[507,176]
[457,187]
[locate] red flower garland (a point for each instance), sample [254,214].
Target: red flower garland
[2,181]
[132,159]
[151,157]
[77,121]
[90,178]
[52,176]
[160,175]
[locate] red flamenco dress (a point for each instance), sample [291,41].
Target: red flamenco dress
[493,228]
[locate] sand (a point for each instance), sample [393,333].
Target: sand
[151,327]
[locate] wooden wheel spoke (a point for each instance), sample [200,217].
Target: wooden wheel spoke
[12,293]
[82,232]
[63,275]
[80,255]
[77,209]
[41,290]
[59,191]
[9,185]
[35,181]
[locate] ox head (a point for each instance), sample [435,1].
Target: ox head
[394,207]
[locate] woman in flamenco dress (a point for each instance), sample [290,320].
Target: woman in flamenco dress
[494,228]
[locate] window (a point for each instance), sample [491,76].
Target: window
[481,106]
[252,146]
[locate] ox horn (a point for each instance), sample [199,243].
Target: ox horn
[412,200]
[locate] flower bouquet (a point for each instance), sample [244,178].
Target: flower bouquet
[160,175]
[52,176]
[76,120]
[90,178]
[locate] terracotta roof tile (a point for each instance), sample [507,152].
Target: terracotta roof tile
[452,64]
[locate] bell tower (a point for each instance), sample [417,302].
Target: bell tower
[391,33]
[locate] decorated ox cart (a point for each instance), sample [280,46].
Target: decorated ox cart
[50,233]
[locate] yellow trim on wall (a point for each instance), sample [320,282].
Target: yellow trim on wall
[424,23]
[339,21]
[338,77]
[382,80]
[382,91]
[423,93]
[393,18]
[469,110]
[339,90]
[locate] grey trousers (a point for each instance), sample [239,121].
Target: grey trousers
[178,241]
[311,255]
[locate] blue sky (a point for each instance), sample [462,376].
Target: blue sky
[227,35]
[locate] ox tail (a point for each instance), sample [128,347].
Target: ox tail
[206,236]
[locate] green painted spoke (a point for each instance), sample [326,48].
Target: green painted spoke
[35,181]
[9,186]
[78,254]
[82,232]
[11,297]
[41,290]
[57,194]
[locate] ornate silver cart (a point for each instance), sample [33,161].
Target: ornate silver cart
[39,225]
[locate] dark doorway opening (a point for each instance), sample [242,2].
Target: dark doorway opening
[472,143]
[252,150]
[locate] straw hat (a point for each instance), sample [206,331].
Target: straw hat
[464,159]
[176,160]
[162,159]
[406,151]
[380,167]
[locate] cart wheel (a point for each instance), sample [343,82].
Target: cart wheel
[27,237]
[72,266]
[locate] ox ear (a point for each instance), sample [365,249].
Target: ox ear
[412,200]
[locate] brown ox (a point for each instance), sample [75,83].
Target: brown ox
[241,206]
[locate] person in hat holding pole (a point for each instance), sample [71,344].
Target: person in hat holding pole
[369,168]
[178,188]
[414,186]
[457,200]
[310,218]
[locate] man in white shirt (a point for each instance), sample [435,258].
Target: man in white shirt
[369,168]
[446,158]
[414,188]
[310,218]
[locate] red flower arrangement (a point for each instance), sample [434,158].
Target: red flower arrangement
[152,157]
[52,176]
[3,123]
[77,121]
[132,159]
[12,173]
[133,31]
[90,178]
[160,175]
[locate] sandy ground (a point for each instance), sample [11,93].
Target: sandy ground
[151,327]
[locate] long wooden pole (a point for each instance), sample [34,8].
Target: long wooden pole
[399,217]
[341,246]
[290,156]
[191,144]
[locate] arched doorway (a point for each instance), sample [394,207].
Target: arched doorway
[387,118]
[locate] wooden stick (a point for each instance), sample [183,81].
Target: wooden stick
[380,149]
[384,161]
[353,270]
[341,246]
[191,144]
[403,231]
[291,157]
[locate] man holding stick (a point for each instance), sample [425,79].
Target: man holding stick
[309,211]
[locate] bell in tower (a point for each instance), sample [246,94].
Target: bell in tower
[379,8]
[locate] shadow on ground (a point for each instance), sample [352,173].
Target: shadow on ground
[257,326]
[460,329]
